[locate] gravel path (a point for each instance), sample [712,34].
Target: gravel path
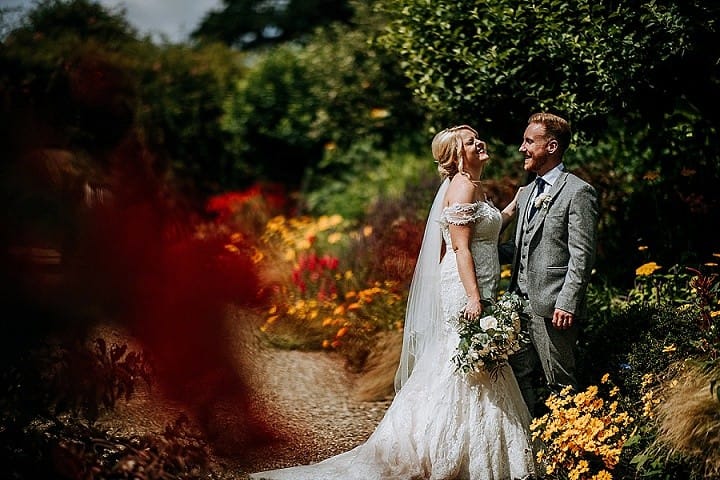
[309,392]
[310,398]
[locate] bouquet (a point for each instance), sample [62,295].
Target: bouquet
[486,344]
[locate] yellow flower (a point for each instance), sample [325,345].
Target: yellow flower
[378,113]
[333,238]
[578,428]
[647,269]
[582,467]
[669,348]
[367,231]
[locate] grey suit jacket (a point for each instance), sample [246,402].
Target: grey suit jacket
[562,246]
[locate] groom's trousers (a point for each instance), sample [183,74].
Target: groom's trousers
[551,349]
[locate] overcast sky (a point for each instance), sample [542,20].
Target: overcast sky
[173,18]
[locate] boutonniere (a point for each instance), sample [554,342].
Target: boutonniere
[543,200]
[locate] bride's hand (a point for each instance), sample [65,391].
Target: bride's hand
[473,309]
[510,208]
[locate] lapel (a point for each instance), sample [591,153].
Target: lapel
[523,206]
[542,212]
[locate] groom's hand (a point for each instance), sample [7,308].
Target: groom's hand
[562,320]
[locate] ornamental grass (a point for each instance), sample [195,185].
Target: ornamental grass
[687,416]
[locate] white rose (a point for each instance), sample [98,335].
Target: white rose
[488,322]
[542,200]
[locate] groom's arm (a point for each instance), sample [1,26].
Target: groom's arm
[582,239]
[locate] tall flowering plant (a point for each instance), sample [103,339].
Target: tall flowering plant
[315,276]
[486,344]
[316,301]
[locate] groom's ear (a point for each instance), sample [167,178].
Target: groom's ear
[552,146]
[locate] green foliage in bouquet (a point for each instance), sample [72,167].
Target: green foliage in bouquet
[486,343]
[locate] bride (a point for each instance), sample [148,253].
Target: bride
[442,424]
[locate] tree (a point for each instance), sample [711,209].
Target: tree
[249,24]
[634,78]
[305,106]
[586,59]
[85,18]
[181,111]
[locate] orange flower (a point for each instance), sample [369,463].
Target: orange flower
[647,269]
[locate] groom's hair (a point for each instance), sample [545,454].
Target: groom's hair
[555,127]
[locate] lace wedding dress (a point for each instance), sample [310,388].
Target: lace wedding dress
[442,424]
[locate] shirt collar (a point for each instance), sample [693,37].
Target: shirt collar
[551,176]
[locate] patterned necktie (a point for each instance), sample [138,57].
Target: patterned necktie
[540,186]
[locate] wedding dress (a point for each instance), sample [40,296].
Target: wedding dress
[442,424]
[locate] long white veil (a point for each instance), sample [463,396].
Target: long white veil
[423,315]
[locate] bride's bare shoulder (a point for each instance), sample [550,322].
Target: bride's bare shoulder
[461,190]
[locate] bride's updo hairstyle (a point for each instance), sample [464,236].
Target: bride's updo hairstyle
[448,152]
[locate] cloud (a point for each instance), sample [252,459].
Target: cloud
[173,18]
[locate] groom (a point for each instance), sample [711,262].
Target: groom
[555,242]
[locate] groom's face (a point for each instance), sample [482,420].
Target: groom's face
[535,149]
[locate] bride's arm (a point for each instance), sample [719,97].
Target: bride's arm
[461,192]
[509,211]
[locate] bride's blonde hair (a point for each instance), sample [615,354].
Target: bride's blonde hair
[448,152]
